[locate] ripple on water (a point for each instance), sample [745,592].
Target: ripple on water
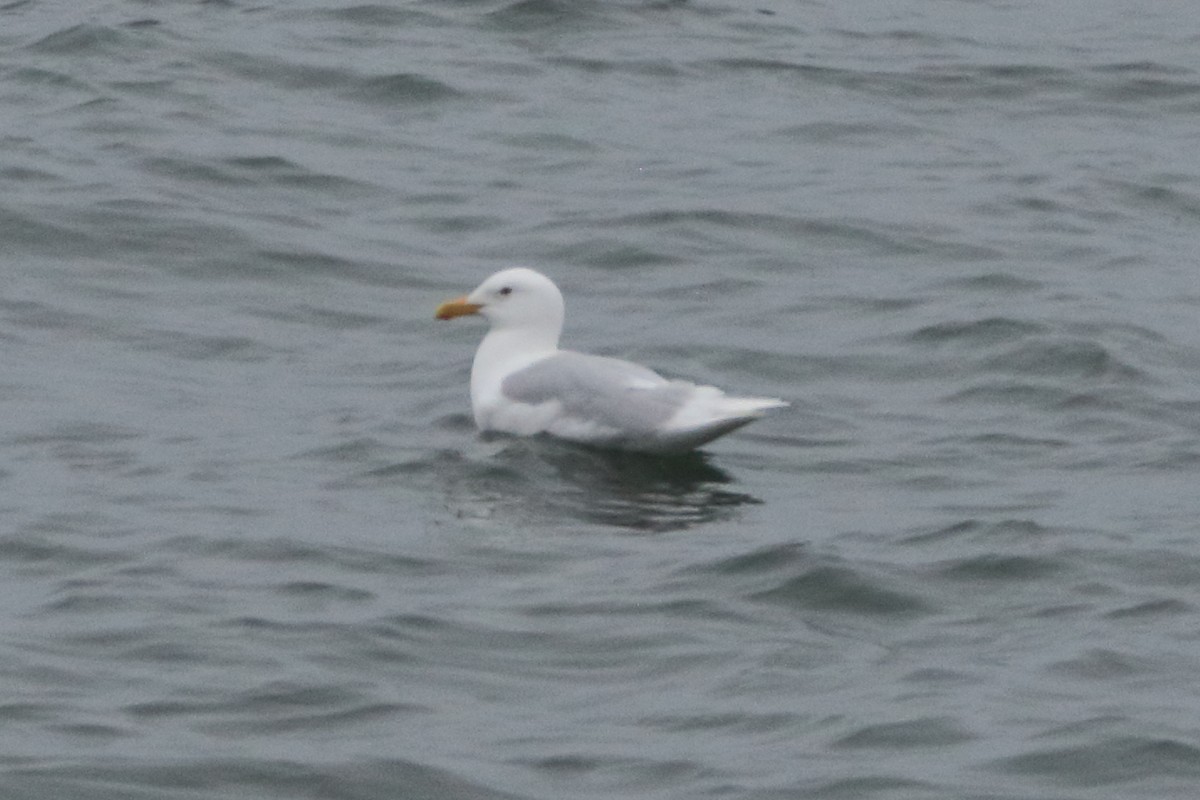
[84,39]
[916,733]
[394,88]
[1065,358]
[1110,760]
[791,576]
[231,779]
[844,589]
[976,333]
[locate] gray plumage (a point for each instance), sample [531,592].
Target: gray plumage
[610,392]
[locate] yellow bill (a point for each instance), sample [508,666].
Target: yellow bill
[458,307]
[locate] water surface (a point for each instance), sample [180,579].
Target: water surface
[253,546]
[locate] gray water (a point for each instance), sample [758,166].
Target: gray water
[251,545]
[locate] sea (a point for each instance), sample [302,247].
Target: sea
[253,546]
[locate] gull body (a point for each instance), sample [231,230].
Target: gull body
[522,383]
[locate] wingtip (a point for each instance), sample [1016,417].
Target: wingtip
[761,405]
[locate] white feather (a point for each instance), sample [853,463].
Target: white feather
[522,383]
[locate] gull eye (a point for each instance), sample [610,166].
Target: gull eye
[507,290]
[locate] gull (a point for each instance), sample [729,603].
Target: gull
[523,384]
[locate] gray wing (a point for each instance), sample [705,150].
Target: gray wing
[617,394]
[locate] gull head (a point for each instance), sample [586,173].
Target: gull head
[512,298]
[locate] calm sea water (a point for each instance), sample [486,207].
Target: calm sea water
[252,546]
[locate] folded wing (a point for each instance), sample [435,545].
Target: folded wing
[615,403]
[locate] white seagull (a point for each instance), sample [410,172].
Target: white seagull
[521,383]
